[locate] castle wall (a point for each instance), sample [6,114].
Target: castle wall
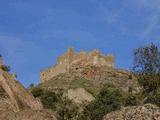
[69,59]
[53,71]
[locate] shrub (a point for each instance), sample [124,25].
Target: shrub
[109,99]
[131,100]
[49,99]
[31,85]
[5,68]
[154,99]
[37,92]
[157,98]
[67,110]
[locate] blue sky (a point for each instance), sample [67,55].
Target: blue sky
[33,33]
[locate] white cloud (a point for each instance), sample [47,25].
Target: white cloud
[151,26]
[151,4]
[151,8]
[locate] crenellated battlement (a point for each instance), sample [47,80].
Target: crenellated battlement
[72,58]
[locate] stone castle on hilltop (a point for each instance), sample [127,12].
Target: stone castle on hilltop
[71,59]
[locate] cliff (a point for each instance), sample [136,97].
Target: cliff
[16,103]
[20,98]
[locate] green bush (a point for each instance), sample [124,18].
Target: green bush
[67,110]
[131,100]
[157,97]
[49,99]
[31,85]
[109,99]
[5,68]
[37,92]
[154,99]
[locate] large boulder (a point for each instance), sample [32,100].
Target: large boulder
[145,112]
[80,96]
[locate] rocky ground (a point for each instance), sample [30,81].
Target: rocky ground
[7,112]
[145,112]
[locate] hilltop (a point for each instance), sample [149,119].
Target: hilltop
[84,77]
[73,60]
[85,70]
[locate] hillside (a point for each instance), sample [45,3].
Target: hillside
[92,78]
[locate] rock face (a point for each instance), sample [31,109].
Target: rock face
[16,103]
[79,96]
[81,59]
[145,112]
[7,112]
[20,98]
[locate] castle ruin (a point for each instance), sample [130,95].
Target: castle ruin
[81,59]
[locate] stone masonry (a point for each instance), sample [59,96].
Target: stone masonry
[81,59]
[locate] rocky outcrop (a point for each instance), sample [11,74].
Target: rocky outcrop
[79,96]
[19,97]
[145,112]
[7,112]
[16,103]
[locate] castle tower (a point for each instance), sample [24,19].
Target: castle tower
[70,55]
[95,54]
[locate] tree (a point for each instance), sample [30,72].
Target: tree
[147,67]
[147,59]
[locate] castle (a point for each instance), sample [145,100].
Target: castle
[81,59]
